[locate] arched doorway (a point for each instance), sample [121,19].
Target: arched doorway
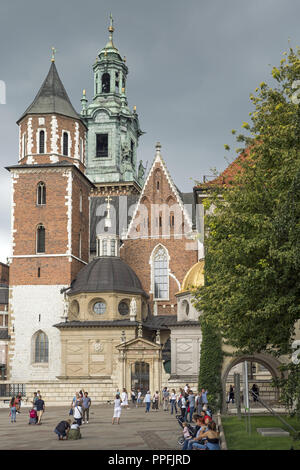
[262,369]
[140,376]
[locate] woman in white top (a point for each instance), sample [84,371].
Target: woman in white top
[117,409]
[78,414]
[173,401]
[124,397]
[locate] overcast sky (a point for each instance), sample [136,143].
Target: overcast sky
[192,65]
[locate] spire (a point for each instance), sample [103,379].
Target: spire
[53,54]
[111,29]
[52,97]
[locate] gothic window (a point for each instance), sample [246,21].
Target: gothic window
[42,141]
[40,239]
[65,144]
[41,347]
[101,145]
[160,268]
[41,194]
[105,83]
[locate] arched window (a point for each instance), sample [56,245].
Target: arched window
[41,194]
[41,347]
[105,83]
[65,144]
[42,141]
[160,268]
[40,239]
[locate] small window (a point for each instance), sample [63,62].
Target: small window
[157,185]
[101,145]
[42,141]
[65,144]
[123,308]
[105,83]
[41,238]
[131,151]
[39,272]
[41,194]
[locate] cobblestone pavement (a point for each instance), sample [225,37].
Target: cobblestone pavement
[157,430]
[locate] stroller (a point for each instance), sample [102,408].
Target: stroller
[192,429]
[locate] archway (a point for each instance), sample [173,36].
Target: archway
[269,368]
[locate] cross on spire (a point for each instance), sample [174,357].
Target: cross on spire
[53,54]
[111,29]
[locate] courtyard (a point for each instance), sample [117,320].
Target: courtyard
[157,430]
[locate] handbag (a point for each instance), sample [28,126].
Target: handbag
[71,412]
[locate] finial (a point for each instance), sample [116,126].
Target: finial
[158,147]
[53,54]
[83,92]
[111,29]
[124,58]
[134,109]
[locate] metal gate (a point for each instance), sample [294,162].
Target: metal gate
[140,376]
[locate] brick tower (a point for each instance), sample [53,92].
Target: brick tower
[49,228]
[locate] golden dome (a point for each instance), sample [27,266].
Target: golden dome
[194,277]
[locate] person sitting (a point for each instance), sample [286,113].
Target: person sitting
[211,437]
[200,426]
[74,432]
[32,416]
[62,429]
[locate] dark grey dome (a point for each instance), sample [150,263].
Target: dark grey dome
[107,274]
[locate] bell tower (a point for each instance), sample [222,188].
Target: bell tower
[113,128]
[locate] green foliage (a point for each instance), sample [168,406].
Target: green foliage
[290,389]
[252,290]
[211,364]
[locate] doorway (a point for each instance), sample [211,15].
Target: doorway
[140,376]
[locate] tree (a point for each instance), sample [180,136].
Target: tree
[252,293]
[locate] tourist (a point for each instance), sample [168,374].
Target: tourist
[40,408]
[124,398]
[211,437]
[74,432]
[204,396]
[255,392]
[147,400]
[155,400]
[186,433]
[86,404]
[186,389]
[13,409]
[133,397]
[139,398]
[117,409]
[231,395]
[78,413]
[32,416]
[19,402]
[166,395]
[35,398]
[62,429]
[198,402]
[38,394]
[173,401]
[199,426]
[191,400]
[183,406]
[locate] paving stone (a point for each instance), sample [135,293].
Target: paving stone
[272,432]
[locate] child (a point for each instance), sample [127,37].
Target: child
[186,432]
[32,416]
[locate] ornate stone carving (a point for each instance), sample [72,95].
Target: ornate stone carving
[98,346]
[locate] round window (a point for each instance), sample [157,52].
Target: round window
[99,308]
[123,308]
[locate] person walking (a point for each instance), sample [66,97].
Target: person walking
[78,413]
[231,394]
[173,402]
[40,409]
[255,392]
[147,400]
[86,404]
[133,397]
[34,400]
[117,409]
[13,409]
[204,396]
[139,397]
[166,395]
[183,406]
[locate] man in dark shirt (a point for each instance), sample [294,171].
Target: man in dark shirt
[62,429]
[40,408]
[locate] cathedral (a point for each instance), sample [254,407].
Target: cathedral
[97,294]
